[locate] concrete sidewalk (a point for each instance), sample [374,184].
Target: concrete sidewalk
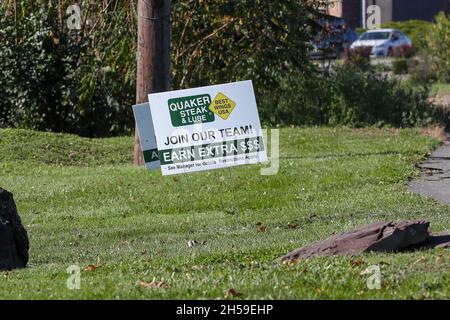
[435,179]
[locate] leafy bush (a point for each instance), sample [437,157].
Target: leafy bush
[353,97]
[422,69]
[358,57]
[432,63]
[400,66]
[438,46]
[60,80]
[305,100]
[84,81]
[218,41]
[31,75]
[367,98]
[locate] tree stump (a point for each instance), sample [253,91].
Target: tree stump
[14,244]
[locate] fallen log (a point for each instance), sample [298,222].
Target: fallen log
[378,237]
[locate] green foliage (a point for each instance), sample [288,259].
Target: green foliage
[440,88]
[67,80]
[305,101]
[84,81]
[422,69]
[354,97]
[438,46]
[358,58]
[229,40]
[367,98]
[31,73]
[432,63]
[400,66]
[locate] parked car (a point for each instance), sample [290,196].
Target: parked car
[384,42]
[334,38]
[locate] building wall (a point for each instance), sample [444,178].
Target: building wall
[418,9]
[351,12]
[391,10]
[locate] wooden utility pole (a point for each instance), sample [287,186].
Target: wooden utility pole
[153,57]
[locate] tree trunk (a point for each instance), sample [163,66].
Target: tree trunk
[153,55]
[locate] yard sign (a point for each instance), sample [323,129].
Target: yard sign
[147,138]
[207,128]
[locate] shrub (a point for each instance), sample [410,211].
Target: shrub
[305,100]
[358,58]
[353,97]
[59,80]
[432,64]
[438,46]
[84,81]
[400,66]
[421,69]
[32,75]
[367,98]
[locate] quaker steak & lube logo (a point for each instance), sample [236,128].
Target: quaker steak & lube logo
[190,110]
[199,109]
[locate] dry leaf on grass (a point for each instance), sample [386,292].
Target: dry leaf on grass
[197,267]
[421,259]
[290,263]
[231,293]
[292,226]
[91,267]
[364,272]
[439,257]
[356,263]
[262,229]
[154,284]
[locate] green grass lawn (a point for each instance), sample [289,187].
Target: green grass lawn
[440,88]
[83,203]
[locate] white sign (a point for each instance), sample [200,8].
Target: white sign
[147,138]
[207,128]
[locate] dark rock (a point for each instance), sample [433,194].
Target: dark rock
[377,237]
[14,243]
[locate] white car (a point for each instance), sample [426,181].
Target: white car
[383,42]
